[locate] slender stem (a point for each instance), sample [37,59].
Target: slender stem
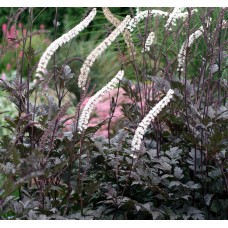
[201,164]
[29,57]
[128,178]
[21,74]
[29,70]
[54,56]
[112,114]
[219,62]
[80,181]
[38,14]
[185,68]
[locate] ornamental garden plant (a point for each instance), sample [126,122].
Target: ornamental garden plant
[121,115]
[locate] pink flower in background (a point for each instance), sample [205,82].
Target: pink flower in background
[8,66]
[3,76]
[12,33]
[42,26]
[20,25]
[66,128]
[24,32]
[4,28]
[101,112]
[20,54]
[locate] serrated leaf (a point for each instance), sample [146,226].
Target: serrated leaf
[198,216]
[192,185]
[92,187]
[155,214]
[147,206]
[193,210]
[207,199]
[174,183]
[126,203]
[178,173]
[173,153]
[67,73]
[66,70]
[187,197]
[166,166]
[92,130]
[162,83]
[165,176]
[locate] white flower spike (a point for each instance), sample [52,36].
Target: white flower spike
[149,41]
[143,14]
[142,128]
[42,65]
[188,43]
[175,15]
[82,79]
[90,105]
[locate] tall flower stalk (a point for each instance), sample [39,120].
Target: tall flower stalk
[65,38]
[188,43]
[149,41]
[143,14]
[98,51]
[116,22]
[143,125]
[90,105]
[176,14]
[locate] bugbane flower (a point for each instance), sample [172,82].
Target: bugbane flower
[137,9]
[82,79]
[143,14]
[149,42]
[126,33]
[143,125]
[182,53]
[176,14]
[188,43]
[90,105]
[42,65]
